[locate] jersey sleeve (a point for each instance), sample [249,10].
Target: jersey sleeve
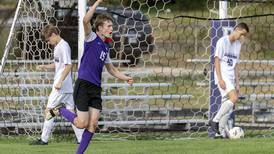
[108,60]
[66,55]
[219,52]
[92,36]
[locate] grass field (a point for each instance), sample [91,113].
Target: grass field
[187,146]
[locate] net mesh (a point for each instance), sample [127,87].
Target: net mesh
[168,54]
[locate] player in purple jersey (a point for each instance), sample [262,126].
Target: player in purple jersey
[87,89]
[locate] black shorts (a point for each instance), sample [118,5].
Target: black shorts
[87,95]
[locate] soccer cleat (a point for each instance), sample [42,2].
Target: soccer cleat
[53,112]
[218,136]
[38,142]
[225,134]
[214,126]
[221,136]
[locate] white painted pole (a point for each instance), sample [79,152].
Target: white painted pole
[81,36]
[9,41]
[222,9]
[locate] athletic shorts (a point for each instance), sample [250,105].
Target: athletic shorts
[87,94]
[56,98]
[230,85]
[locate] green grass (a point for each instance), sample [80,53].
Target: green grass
[187,146]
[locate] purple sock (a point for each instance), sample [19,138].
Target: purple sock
[86,138]
[67,114]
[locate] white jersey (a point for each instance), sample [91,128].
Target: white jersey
[229,54]
[62,56]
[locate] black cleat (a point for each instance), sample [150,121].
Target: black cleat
[38,142]
[214,126]
[54,112]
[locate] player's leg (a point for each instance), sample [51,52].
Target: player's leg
[89,132]
[95,106]
[47,128]
[227,105]
[53,100]
[226,108]
[80,120]
[228,99]
[223,121]
[70,106]
[81,99]
[223,124]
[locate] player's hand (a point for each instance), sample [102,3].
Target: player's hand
[58,85]
[130,80]
[222,84]
[41,68]
[99,1]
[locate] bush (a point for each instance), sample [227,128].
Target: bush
[191,4]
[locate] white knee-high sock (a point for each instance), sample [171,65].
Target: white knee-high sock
[78,133]
[47,128]
[224,109]
[223,123]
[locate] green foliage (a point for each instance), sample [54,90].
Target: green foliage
[7,2]
[190,4]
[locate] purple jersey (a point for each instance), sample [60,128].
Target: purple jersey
[93,60]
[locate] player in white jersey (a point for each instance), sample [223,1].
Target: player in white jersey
[226,75]
[62,88]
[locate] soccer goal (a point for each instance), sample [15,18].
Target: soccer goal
[167,50]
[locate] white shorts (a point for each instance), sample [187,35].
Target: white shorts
[230,85]
[56,98]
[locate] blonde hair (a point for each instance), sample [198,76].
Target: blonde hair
[48,30]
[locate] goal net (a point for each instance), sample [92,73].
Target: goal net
[167,50]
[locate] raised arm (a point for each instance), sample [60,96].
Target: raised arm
[88,17]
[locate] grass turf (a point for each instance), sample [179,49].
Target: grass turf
[187,146]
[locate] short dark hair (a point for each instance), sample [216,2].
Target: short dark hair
[48,30]
[242,25]
[100,19]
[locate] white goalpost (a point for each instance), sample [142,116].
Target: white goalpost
[222,9]
[82,6]
[9,40]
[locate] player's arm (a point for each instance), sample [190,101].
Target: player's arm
[237,77]
[64,74]
[116,73]
[46,67]
[218,72]
[88,16]
[217,63]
